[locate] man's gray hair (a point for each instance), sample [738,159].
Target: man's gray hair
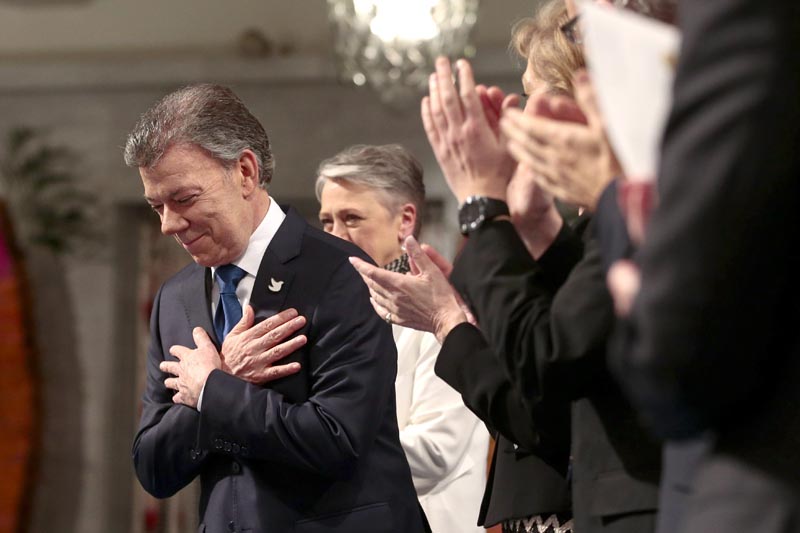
[209,116]
[389,169]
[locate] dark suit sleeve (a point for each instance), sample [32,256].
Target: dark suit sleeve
[467,363]
[720,260]
[352,365]
[548,334]
[164,453]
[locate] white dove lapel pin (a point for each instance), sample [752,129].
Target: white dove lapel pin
[275,286]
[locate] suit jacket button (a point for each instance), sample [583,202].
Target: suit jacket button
[227,446]
[218,444]
[236,448]
[236,467]
[231,526]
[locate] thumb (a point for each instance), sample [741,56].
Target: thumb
[420,262]
[246,321]
[512,100]
[438,259]
[587,99]
[201,339]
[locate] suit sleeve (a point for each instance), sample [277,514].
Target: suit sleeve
[547,320]
[721,250]
[352,364]
[468,364]
[164,453]
[440,429]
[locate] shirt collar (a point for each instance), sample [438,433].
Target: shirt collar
[260,239]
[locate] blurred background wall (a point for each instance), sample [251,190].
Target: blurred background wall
[80,72]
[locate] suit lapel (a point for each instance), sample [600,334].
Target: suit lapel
[272,284]
[267,299]
[275,277]
[196,298]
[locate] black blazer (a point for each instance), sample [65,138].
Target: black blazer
[314,452]
[531,457]
[528,470]
[552,346]
[715,326]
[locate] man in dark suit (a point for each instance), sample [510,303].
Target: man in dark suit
[316,450]
[715,325]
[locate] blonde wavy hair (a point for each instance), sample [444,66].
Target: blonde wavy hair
[539,40]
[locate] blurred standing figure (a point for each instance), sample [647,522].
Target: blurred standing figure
[715,335]
[373,196]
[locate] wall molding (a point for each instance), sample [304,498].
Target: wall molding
[120,71]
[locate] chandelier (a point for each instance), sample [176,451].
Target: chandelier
[391,45]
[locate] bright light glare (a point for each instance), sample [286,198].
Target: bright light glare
[402,20]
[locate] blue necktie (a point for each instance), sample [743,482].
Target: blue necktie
[229,310]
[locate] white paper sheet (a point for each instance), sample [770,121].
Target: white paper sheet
[632,61]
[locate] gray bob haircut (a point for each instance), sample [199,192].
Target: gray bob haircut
[209,116]
[390,169]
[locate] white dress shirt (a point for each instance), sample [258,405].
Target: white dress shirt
[250,261]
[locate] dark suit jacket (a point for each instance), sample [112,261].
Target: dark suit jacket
[551,346]
[715,325]
[314,452]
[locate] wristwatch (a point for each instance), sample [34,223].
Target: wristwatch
[476,210]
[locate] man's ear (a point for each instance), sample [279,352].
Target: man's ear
[247,171]
[408,220]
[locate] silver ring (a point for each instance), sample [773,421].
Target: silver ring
[388,318]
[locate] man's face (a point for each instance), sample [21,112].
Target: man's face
[357,214]
[200,203]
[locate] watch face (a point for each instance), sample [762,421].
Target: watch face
[470,215]
[477,209]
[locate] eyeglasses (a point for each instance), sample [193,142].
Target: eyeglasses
[570,30]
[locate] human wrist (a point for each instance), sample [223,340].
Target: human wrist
[449,320]
[490,188]
[538,236]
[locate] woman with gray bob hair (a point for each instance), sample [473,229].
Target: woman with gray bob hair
[390,169]
[372,196]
